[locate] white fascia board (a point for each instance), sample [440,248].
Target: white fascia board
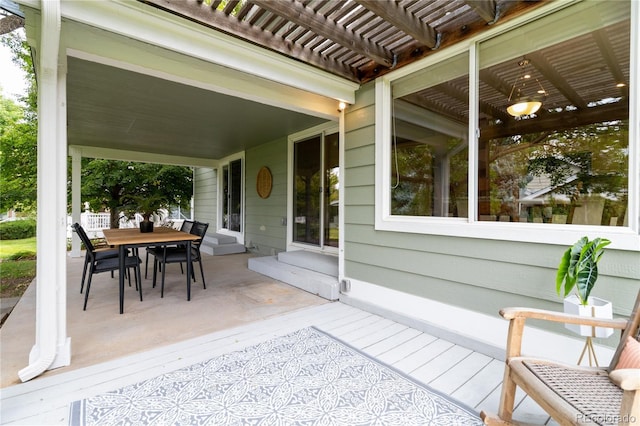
[150,25]
[142,157]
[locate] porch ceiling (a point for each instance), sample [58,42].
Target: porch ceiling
[120,109]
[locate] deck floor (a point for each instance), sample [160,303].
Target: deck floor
[468,376]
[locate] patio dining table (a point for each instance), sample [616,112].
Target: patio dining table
[126,238]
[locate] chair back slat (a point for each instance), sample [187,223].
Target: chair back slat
[632,329]
[186,226]
[199,229]
[83,237]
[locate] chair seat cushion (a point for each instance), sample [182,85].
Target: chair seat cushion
[630,356]
[106,254]
[581,394]
[175,254]
[113,263]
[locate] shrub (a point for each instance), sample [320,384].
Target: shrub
[18,229]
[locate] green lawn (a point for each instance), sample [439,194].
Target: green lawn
[10,248]
[18,266]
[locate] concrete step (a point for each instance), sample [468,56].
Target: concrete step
[323,263]
[219,244]
[219,250]
[219,239]
[323,285]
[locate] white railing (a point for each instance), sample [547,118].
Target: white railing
[94,223]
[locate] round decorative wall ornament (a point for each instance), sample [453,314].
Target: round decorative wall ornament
[264,182]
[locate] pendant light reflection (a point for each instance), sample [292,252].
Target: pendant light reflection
[523,104]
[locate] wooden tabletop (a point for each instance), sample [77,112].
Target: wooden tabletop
[116,237]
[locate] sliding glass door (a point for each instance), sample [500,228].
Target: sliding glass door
[232,196]
[316,190]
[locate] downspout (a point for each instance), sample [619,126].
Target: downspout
[44,351]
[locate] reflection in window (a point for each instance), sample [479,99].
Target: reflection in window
[429,149]
[567,162]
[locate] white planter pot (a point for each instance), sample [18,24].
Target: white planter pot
[597,307]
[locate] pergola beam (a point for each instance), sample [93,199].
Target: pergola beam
[487,9]
[406,22]
[607,52]
[556,79]
[304,16]
[203,14]
[558,121]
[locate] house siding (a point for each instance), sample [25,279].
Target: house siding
[476,274]
[205,197]
[265,219]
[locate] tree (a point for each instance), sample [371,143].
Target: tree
[19,136]
[116,185]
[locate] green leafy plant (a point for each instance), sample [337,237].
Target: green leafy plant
[579,268]
[147,206]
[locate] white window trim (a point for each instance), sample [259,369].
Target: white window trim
[622,237]
[221,163]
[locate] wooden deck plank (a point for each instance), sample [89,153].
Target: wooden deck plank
[392,341]
[475,390]
[439,365]
[360,328]
[404,349]
[420,357]
[383,332]
[459,374]
[528,411]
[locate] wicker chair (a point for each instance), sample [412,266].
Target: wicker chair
[571,394]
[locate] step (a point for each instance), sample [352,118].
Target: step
[323,263]
[219,239]
[323,285]
[219,244]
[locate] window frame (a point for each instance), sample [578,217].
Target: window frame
[622,237]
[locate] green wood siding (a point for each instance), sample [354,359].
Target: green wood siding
[476,274]
[205,197]
[265,226]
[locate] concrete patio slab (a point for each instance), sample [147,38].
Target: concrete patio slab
[234,296]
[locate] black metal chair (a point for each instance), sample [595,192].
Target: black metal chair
[98,263]
[178,254]
[153,250]
[100,252]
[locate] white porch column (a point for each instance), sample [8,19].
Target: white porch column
[341,150]
[52,347]
[76,164]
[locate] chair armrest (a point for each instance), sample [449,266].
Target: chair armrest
[626,378]
[518,316]
[540,314]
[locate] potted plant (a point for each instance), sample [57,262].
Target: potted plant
[147,206]
[578,269]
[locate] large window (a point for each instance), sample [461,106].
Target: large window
[453,143]
[429,149]
[567,162]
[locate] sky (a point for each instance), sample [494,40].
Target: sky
[11,77]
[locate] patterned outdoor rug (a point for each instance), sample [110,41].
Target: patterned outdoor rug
[304,378]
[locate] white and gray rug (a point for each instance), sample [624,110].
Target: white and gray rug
[304,378]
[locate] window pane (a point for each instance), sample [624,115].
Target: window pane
[429,149]
[332,189]
[308,193]
[568,161]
